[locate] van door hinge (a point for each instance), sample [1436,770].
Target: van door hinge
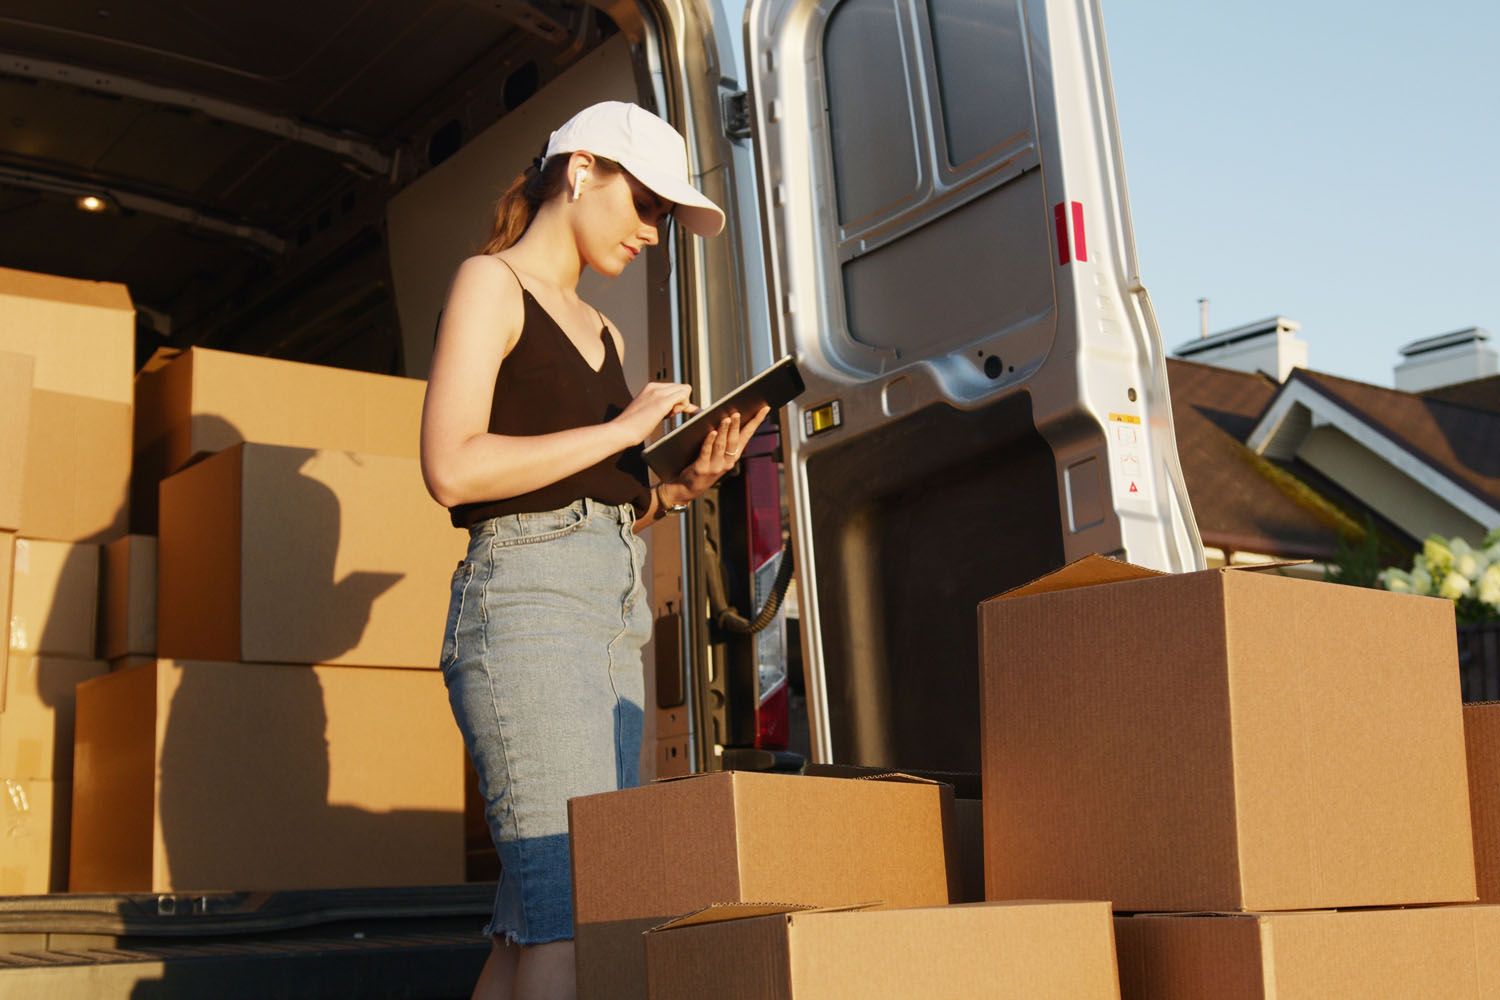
[736,110]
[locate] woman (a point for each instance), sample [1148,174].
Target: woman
[532,439]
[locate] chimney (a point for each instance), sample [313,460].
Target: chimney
[1460,356]
[1268,345]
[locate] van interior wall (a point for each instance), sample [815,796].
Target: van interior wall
[446,215]
[913,527]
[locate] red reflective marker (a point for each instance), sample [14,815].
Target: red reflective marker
[1060,218]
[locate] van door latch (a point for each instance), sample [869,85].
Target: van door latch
[736,111]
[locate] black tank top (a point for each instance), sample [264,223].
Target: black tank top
[544,386]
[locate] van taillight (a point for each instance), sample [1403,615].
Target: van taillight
[763,491]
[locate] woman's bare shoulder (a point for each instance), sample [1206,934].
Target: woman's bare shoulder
[487,269]
[484,299]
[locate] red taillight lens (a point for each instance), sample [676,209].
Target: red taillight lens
[773,718]
[763,488]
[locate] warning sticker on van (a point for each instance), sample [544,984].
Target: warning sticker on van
[1131,474]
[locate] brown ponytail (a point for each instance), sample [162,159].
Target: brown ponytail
[534,186]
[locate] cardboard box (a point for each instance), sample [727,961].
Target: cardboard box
[1482,741]
[196,402]
[644,855]
[34,830]
[128,604]
[968,818]
[36,717]
[202,776]
[15,422]
[77,477]
[286,555]
[54,598]
[1223,740]
[1441,951]
[982,951]
[81,333]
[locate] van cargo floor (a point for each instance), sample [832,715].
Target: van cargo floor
[422,942]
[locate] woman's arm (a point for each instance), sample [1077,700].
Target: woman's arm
[461,461]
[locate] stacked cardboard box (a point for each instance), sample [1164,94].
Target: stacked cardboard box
[66,350]
[1234,743]
[299,572]
[1482,742]
[194,403]
[265,777]
[643,856]
[978,951]
[80,337]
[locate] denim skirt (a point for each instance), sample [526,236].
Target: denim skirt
[542,659]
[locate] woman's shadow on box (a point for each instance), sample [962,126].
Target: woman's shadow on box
[253,752]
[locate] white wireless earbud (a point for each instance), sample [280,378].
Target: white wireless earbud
[578,180]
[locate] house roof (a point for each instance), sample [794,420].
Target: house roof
[1242,501]
[1458,440]
[1481,393]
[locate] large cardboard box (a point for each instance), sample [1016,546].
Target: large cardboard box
[644,855]
[15,422]
[286,555]
[1223,740]
[34,833]
[54,598]
[1440,951]
[36,716]
[981,951]
[199,776]
[77,475]
[1482,741]
[196,402]
[81,333]
[128,600]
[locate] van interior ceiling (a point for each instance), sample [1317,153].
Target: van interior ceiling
[231,163]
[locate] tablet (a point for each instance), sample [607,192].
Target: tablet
[674,451]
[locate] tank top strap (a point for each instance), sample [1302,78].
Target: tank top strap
[513,273]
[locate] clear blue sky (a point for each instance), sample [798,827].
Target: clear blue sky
[1334,162]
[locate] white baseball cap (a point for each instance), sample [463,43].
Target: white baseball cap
[649,148]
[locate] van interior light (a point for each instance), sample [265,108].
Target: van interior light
[92,203]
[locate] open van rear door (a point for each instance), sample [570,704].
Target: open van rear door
[949,255]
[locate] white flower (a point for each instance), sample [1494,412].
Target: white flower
[1396,581]
[1468,565]
[1454,587]
[1488,588]
[1421,582]
[1439,556]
